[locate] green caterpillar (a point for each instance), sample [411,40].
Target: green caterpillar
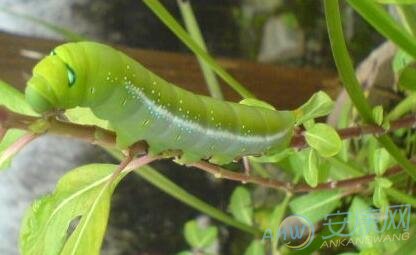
[139,105]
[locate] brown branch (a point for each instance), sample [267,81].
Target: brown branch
[105,138]
[298,140]
[90,134]
[220,172]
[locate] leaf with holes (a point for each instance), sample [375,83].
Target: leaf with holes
[82,194]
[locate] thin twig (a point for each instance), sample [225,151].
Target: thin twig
[17,146]
[298,140]
[220,172]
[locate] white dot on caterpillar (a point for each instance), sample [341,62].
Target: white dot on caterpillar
[180,101]
[128,67]
[180,109]
[154,82]
[153,91]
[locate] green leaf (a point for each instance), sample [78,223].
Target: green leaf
[379,196]
[404,67]
[14,100]
[241,206]
[256,247]
[199,237]
[324,139]
[378,114]
[83,192]
[274,158]
[383,182]
[257,103]
[310,169]
[320,104]
[316,205]
[356,226]
[382,160]
[401,60]
[277,216]
[407,78]
[84,116]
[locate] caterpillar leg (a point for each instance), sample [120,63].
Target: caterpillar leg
[188,158]
[221,159]
[247,166]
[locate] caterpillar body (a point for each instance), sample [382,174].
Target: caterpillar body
[139,105]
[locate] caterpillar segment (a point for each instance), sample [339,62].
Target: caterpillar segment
[140,105]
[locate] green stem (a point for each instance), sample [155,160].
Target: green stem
[351,84]
[378,17]
[408,16]
[195,33]
[401,197]
[406,105]
[180,32]
[280,213]
[343,61]
[164,184]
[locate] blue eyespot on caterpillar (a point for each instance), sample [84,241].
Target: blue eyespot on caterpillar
[140,105]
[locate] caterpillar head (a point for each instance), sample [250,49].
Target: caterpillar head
[58,79]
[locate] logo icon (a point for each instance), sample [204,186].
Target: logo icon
[296,232]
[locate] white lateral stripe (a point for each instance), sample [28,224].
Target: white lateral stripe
[187,124]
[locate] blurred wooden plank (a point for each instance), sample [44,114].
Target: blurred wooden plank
[283,87]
